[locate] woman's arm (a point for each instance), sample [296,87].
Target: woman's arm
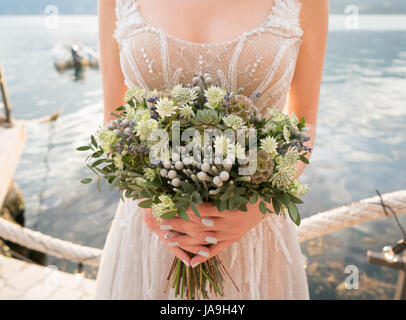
[305,88]
[112,77]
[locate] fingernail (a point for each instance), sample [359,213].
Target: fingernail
[173,244]
[207,222]
[195,264]
[204,254]
[210,239]
[186,263]
[166,227]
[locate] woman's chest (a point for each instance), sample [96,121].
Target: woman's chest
[209,21]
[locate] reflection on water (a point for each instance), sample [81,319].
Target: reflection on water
[360,144]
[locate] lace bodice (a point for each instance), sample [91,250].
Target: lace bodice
[261,61]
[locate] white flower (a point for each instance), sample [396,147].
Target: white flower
[118,162]
[140,181]
[152,93]
[107,139]
[286,134]
[137,114]
[214,96]
[233,121]
[149,174]
[165,107]
[166,201]
[186,112]
[293,121]
[145,128]
[298,189]
[269,127]
[283,177]
[158,209]
[269,145]
[134,94]
[184,95]
[291,157]
[276,115]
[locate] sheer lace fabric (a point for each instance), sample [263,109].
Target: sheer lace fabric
[267,262]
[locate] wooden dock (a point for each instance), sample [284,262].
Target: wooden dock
[12,140]
[26,281]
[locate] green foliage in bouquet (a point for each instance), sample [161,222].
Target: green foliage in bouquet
[141,153]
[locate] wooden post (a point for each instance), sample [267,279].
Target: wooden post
[379,259]
[4,93]
[400,293]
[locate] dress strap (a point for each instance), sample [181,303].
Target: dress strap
[128,19]
[285,18]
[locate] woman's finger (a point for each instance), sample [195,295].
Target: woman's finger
[203,238]
[181,254]
[213,251]
[183,226]
[201,251]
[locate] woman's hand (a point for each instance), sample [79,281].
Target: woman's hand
[206,236]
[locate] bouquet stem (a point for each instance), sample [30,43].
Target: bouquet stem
[192,282]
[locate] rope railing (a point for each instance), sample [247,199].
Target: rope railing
[310,228]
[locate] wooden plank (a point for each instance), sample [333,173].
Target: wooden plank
[12,141]
[4,93]
[22,280]
[379,259]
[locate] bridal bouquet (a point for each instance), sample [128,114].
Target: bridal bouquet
[195,144]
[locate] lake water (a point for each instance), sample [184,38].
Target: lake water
[360,145]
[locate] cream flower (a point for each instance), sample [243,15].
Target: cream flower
[291,157]
[276,115]
[118,162]
[149,174]
[269,127]
[140,181]
[269,145]
[286,134]
[145,128]
[136,94]
[107,139]
[215,97]
[293,120]
[158,209]
[186,112]
[137,114]
[233,121]
[184,95]
[283,177]
[165,107]
[166,201]
[298,189]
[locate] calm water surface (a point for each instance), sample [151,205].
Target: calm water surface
[360,146]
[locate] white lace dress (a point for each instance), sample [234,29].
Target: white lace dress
[267,262]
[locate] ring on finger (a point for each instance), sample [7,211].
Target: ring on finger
[168,235]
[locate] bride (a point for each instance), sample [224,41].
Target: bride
[271,47]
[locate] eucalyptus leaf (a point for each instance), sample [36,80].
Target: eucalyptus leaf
[146,203]
[276,205]
[86,180]
[294,213]
[194,209]
[254,198]
[169,214]
[94,143]
[83,148]
[262,207]
[295,199]
[182,213]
